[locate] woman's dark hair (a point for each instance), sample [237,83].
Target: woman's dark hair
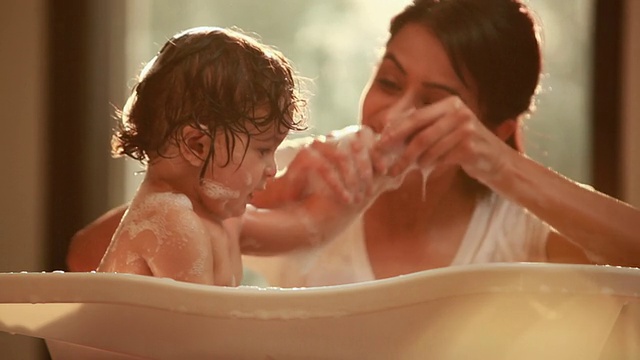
[495,42]
[212,79]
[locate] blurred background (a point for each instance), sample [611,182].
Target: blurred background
[66,64]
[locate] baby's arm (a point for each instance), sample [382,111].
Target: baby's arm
[305,224]
[328,184]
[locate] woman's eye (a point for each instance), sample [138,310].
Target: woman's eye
[426,102]
[429,99]
[388,85]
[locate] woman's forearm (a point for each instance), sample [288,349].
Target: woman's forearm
[606,228]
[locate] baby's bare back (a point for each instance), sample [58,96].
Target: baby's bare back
[161,235]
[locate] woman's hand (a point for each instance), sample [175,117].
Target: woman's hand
[448,132]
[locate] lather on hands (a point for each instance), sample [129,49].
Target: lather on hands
[448,132]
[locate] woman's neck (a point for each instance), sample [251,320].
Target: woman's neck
[416,200]
[405,232]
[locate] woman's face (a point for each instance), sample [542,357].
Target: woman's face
[415,71]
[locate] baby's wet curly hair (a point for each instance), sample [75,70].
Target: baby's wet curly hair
[212,79]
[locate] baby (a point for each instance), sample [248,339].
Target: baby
[205,117]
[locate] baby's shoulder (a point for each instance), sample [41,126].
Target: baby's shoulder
[164,215]
[166,200]
[168,207]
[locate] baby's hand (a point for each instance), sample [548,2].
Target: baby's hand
[353,167]
[339,163]
[349,151]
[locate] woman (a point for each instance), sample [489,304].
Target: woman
[455,79]
[478,62]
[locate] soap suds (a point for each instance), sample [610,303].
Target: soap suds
[369,138]
[217,191]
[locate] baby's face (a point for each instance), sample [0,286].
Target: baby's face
[227,188]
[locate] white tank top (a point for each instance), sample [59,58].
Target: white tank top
[499,231]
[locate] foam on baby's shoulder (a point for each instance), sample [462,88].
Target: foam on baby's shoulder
[155,200]
[166,215]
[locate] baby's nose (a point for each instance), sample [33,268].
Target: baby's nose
[271,169]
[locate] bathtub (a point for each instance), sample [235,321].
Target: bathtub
[497,311]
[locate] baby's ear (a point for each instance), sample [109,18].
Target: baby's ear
[194,146]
